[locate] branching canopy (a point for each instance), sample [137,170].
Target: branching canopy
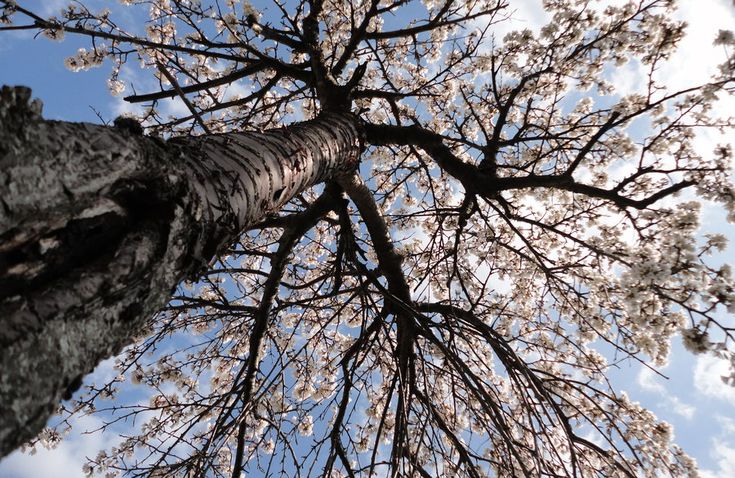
[516,227]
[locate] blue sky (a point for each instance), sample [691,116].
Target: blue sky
[693,399]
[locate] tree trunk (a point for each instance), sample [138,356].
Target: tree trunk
[99,224]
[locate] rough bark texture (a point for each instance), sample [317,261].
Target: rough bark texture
[99,224]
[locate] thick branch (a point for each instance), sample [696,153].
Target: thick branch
[488,185]
[389,262]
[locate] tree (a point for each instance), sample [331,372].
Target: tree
[443,307]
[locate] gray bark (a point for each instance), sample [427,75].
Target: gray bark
[99,224]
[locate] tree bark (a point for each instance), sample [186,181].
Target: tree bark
[99,224]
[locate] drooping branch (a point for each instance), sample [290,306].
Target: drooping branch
[527,379]
[389,263]
[297,226]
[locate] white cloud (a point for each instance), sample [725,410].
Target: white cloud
[647,381]
[723,451]
[727,424]
[680,408]
[523,14]
[724,456]
[695,60]
[66,460]
[707,379]
[130,74]
[629,78]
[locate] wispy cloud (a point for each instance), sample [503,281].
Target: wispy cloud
[724,456]
[652,383]
[722,451]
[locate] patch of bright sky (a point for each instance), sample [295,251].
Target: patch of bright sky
[693,399]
